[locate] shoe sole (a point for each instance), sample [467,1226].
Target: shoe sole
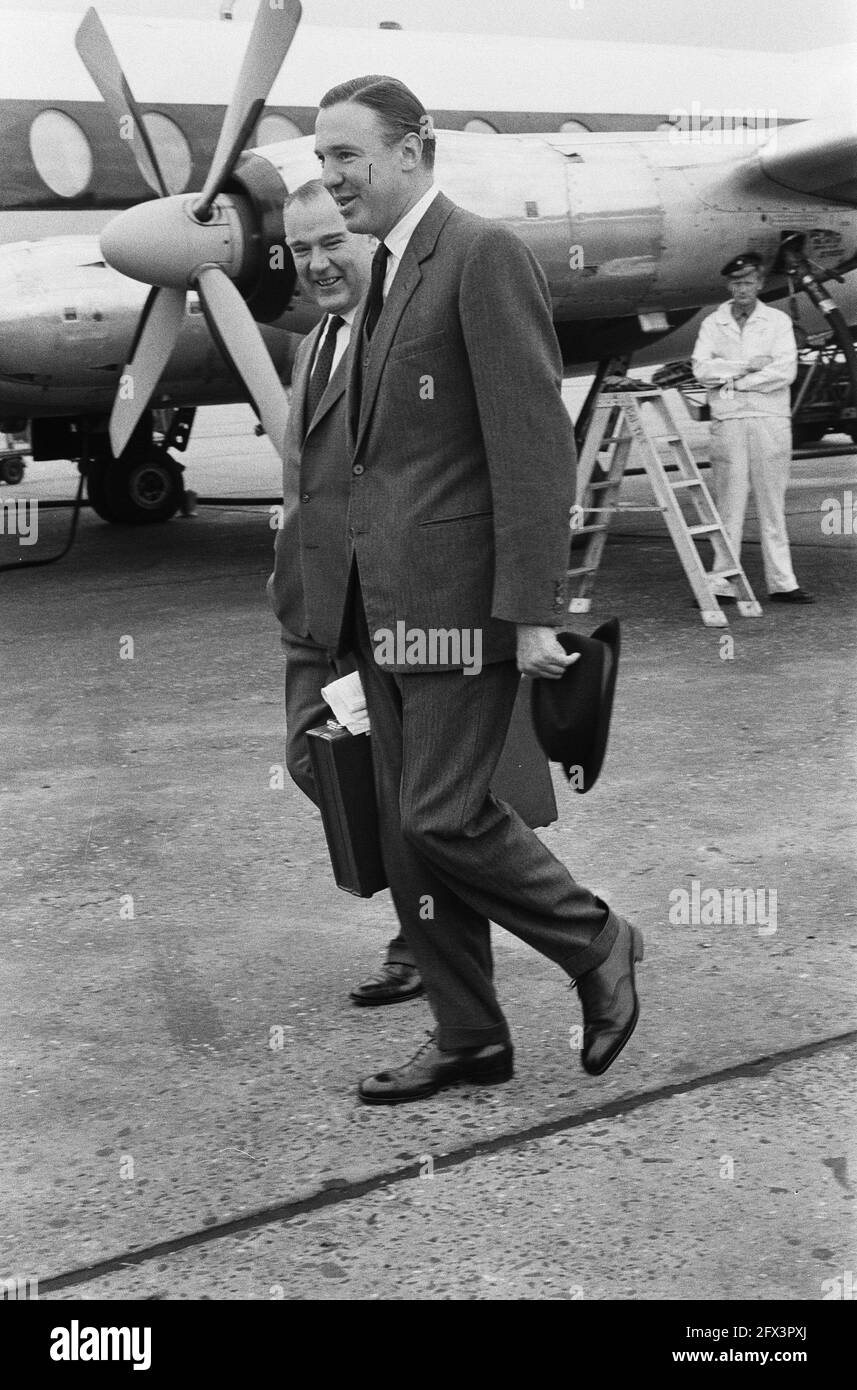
[379,1003]
[496,1077]
[637,955]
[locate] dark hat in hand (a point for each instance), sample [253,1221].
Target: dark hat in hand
[571,716]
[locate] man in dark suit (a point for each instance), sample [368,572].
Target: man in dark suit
[462,476]
[307,587]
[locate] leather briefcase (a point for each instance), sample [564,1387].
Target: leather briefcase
[342,767]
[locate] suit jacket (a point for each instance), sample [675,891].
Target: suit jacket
[462,452]
[307,587]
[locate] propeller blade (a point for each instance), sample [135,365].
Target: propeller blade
[99,57]
[157,332]
[237,335]
[269,43]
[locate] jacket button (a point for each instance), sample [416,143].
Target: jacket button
[358,469]
[304,496]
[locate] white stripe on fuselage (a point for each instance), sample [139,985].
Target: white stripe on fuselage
[197,61]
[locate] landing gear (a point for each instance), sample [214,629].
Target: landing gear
[146,484]
[138,488]
[11,468]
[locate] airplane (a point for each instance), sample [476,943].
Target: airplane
[64,170]
[630,229]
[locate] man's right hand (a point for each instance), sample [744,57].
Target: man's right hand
[541,654]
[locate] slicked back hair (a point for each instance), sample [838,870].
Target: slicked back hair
[398,110]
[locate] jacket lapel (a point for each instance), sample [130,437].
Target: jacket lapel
[408,276]
[300,379]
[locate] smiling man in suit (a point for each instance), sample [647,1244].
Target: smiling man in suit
[307,587]
[462,477]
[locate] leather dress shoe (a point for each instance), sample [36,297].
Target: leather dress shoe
[609,1000]
[394,982]
[792,596]
[431,1070]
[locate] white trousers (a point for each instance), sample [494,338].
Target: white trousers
[757,450]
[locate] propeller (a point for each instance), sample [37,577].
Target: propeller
[99,57]
[191,241]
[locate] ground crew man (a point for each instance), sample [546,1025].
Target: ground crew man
[746,356]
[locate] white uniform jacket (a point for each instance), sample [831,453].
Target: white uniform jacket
[724,348]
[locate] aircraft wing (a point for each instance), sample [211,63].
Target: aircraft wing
[815,157]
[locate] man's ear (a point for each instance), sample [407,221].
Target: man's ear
[412,151]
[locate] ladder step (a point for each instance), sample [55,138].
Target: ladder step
[669,463]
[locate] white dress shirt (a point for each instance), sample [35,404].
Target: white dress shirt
[397,239]
[343,338]
[724,347]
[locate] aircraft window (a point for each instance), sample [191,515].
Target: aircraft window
[274,127]
[668,125]
[570,127]
[480,127]
[172,149]
[61,153]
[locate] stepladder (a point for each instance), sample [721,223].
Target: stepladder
[641,425]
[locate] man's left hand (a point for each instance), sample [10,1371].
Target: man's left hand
[541,654]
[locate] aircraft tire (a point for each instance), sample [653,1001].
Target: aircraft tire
[12,470]
[141,490]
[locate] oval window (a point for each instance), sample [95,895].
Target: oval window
[172,149]
[61,153]
[480,127]
[273,128]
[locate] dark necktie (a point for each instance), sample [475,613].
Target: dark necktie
[321,372]
[376,288]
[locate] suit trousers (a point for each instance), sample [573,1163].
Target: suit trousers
[755,449]
[457,857]
[308,668]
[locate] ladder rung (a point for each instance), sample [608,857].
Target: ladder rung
[669,461]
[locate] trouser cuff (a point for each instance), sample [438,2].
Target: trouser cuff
[400,953]
[598,950]
[452,1039]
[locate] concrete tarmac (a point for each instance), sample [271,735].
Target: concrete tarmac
[179,1053]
